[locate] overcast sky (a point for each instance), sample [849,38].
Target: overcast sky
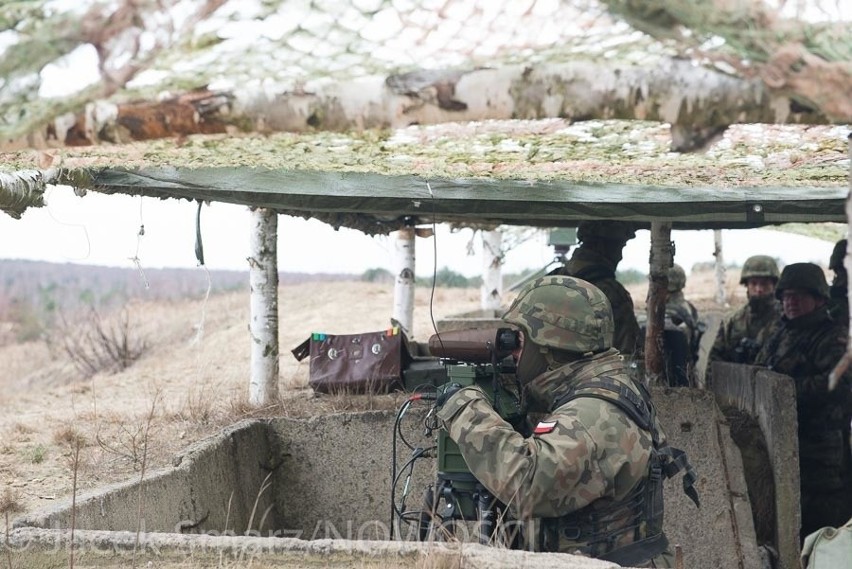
[104,230]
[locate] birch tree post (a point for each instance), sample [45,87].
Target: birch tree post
[660,261]
[492,270]
[719,268]
[403,290]
[263,325]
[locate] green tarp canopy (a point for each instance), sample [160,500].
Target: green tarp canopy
[378,204]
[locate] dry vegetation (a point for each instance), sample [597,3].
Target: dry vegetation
[193,374]
[191,380]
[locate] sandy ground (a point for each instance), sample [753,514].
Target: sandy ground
[191,380]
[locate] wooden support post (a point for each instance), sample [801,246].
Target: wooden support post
[721,293]
[403,290]
[492,271]
[263,326]
[660,261]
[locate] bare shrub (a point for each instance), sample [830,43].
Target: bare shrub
[75,442]
[128,444]
[9,505]
[99,344]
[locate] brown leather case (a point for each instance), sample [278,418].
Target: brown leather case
[369,362]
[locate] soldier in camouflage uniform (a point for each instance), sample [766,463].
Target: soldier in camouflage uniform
[736,340]
[682,314]
[591,473]
[595,261]
[680,311]
[838,304]
[806,345]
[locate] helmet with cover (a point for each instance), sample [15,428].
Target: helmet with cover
[677,278]
[606,230]
[759,266]
[805,276]
[564,313]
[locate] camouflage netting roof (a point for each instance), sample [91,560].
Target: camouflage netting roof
[325,109]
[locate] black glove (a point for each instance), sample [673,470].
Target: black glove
[445,392]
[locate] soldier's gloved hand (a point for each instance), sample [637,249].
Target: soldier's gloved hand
[445,392]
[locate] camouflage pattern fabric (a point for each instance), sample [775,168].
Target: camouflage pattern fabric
[681,311]
[677,278]
[587,451]
[564,313]
[807,276]
[746,323]
[759,266]
[807,348]
[600,271]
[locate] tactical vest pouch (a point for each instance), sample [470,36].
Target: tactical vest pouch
[370,362]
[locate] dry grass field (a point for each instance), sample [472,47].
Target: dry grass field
[191,380]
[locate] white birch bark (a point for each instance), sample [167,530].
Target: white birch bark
[20,190]
[403,290]
[674,91]
[492,271]
[263,326]
[660,261]
[721,293]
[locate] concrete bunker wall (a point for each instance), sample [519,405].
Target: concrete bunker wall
[331,479]
[212,487]
[771,399]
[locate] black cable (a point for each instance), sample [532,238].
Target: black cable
[434,266]
[199,245]
[423,397]
[395,511]
[399,415]
[397,431]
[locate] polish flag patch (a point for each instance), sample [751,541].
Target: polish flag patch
[544,427]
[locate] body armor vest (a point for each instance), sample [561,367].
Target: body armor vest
[629,531]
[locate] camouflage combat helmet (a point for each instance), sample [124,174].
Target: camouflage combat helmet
[807,276]
[759,266]
[835,263]
[565,313]
[677,278]
[606,230]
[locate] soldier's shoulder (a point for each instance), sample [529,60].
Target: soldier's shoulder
[596,409]
[737,314]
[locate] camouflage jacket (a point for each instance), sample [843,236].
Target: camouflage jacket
[682,312]
[807,348]
[595,268]
[747,322]
[586,451]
